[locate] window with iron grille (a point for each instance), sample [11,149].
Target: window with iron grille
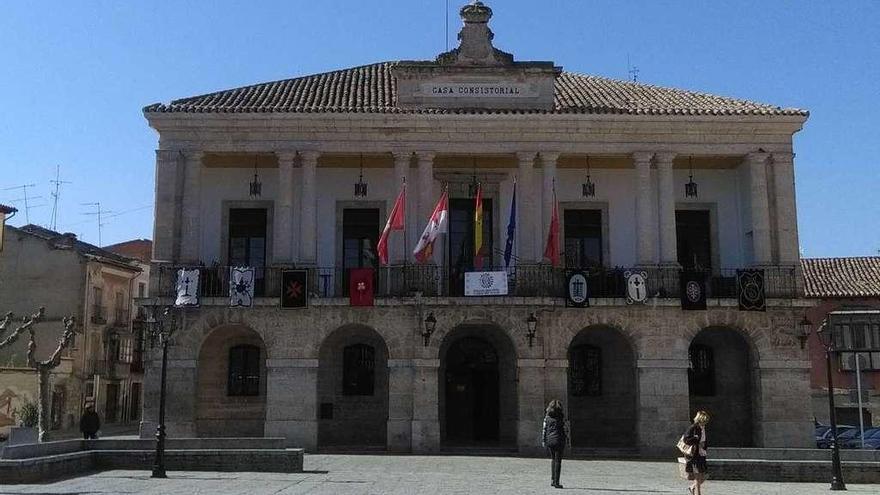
[358,370]
[858,333]
[701,373]
[244,371]
[585,371]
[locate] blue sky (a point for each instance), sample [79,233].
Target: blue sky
[75,75]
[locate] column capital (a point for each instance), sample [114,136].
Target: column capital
[192,155]
[309,156]
[642,157]
[285,156]
[423,156]
[756,157]
[665,158]
[550,156]
[524,156]
[782,157]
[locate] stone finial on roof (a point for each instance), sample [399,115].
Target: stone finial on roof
[475,47]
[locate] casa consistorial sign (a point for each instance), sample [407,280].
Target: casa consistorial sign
[478,90]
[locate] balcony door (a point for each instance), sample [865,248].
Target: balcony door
[461,241]
[360,233]
[693,232]
[247,242]
[583,238]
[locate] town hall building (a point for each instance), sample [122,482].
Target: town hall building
[648,267]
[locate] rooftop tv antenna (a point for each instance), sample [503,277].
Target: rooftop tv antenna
[447,25]
[56,195]
[25,198]
[632,70]
[97,213]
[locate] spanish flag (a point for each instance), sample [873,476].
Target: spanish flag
[478,228]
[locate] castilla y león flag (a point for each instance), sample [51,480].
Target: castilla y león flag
[436,225]
[395,222]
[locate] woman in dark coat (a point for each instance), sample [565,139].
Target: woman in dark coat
[554,438]
[695,464]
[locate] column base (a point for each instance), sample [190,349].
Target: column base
[425,437]
[399,435]
[297,434]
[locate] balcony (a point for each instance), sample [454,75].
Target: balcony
[536,280]
[99,315]
[121,318]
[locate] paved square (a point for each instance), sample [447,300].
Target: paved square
[422,475]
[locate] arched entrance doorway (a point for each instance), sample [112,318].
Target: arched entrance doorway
[720,382]
[353,389]
[602,389]
[231,384]
[478,403]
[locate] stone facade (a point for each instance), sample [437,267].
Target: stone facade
[478,380]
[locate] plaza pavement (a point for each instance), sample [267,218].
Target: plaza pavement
[422,475]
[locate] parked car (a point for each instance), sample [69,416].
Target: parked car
[844,432]
[872,437]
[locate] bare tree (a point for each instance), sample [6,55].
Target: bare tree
[44,367]
[26,323]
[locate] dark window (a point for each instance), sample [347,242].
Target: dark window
[360,233]
[358,370]
[244,370]
[701,373]
[693,235]
[583,238]
[247,241]
[863,334]
[461,240]
[585,371]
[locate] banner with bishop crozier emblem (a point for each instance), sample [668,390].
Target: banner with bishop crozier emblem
[636,286]
[187,287]
[750,286]
[693,290]
[576,291]
[241,286]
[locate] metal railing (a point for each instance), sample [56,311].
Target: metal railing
[533,280]
[121,318]
[99,314]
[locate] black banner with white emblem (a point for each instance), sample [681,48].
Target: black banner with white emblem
[750,287]
[693,290]
[576,293]
[294,289]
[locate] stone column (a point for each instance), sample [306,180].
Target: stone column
[166,210]
[291,402]
[645,231]
[664,404]
[526,226]
[548,162]
[190,232]
[786,211]
[426,414]
[530,394]
[400,405]
[782,417]
[427,199]
[283,249]
[760,208]
[400,240]
[666,205]
[308,235]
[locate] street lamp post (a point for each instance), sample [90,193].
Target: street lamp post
[161,328]
[827,340]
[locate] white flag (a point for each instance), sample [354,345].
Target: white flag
[241,286]
[436,225]
[187,287]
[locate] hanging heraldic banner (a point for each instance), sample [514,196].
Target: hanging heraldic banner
[241,286]
[576,293]
[485,283]
[750,287]
[636,286]
[360,286]
[693,290]
[187,287]
[294,289]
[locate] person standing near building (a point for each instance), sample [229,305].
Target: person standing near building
[554,438]
[90,423]
[695,463]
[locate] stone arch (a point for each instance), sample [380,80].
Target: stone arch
[602,388]
[477,386]
[226,405]
[721,381]
[353,388]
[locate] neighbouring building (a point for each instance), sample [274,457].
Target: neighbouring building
[40,267]
[4,210]
[647,179]
[847,291]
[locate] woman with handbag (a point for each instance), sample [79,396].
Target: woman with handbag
[554,438]
[693,445]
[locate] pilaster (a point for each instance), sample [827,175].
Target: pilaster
[291,402]
[664,403]
[786,211]
[309,222]
[645,231]
[666,209]
[166,210]
[400,405]
[426,419]
[191,201]
[283,252]
[760,208]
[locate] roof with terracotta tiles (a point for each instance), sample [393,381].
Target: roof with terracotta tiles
[6,209]
[371,89]
[842,277]
[69,241]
